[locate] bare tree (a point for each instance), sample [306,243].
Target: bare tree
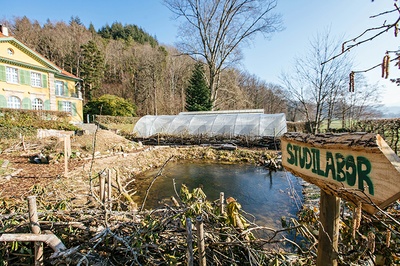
[315,86]
[215,30]
[262,95]
[363,103]
[178,72]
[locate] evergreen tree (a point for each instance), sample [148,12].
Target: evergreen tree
[92,29]
[198,96]
[76,20]
[92,69]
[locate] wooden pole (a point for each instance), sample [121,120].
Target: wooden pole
[109,188]
[221,202]
[67,152]
[328,235]
[200,241]
[102,187]
[35,227]
[189,241]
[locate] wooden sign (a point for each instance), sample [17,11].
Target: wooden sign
[355,167]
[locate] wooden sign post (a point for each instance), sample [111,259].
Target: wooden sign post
[358,167]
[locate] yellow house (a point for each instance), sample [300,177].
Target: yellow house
[30,81]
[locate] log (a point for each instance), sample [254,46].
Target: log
[49,238]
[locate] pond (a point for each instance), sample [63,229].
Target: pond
[267,196]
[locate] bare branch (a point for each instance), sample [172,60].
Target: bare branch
[381,30]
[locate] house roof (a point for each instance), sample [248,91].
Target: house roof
[37,56]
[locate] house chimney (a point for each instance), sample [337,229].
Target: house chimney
[4,30]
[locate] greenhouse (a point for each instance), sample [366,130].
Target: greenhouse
[252,123]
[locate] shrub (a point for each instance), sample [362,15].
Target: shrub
[108,104]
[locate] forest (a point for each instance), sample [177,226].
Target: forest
[126,61]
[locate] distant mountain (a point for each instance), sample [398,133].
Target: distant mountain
[391,111]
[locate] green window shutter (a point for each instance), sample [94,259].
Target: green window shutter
[60,105]
[24,77]
[44,81]
[74,111]
[46,105]
[66,88]
[21,76]
[26,103]
[2,73]
[27,77]
[3,101]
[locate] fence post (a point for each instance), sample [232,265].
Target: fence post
[67,152]
[189,241]
[102,181]
[109,188]
[200,241]
[35,227]
[221,202]
[328,236]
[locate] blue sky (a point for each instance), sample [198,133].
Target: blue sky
[267,59]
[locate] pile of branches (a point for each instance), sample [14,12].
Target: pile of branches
[364,239]
[100,236]
[271,143]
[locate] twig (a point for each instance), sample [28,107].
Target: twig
[384,28]
[152,182]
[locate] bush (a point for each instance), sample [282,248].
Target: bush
[112,105]
[16,122]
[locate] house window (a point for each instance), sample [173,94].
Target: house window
[36,79]
[13,102]
[10,51]
[37,104]
[59,87]
[12,75]
[67,107]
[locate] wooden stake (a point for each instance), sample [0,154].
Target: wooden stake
[102,187]
[35,227]
[328,235]
[23,143]
[200,241]
[67,152]
[221,202]
[109,188]
[189,241]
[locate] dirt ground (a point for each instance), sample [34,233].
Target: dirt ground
[20,175]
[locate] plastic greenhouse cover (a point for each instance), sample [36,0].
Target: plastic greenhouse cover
[227,124]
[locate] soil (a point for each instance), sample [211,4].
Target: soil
[21,175]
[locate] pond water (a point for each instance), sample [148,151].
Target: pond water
[267,196]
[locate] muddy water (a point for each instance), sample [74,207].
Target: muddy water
[266,196]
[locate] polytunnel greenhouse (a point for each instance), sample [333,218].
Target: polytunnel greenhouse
[223,123]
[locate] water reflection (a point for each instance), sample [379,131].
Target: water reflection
[262,193]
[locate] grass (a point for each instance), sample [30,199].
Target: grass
[128,128]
